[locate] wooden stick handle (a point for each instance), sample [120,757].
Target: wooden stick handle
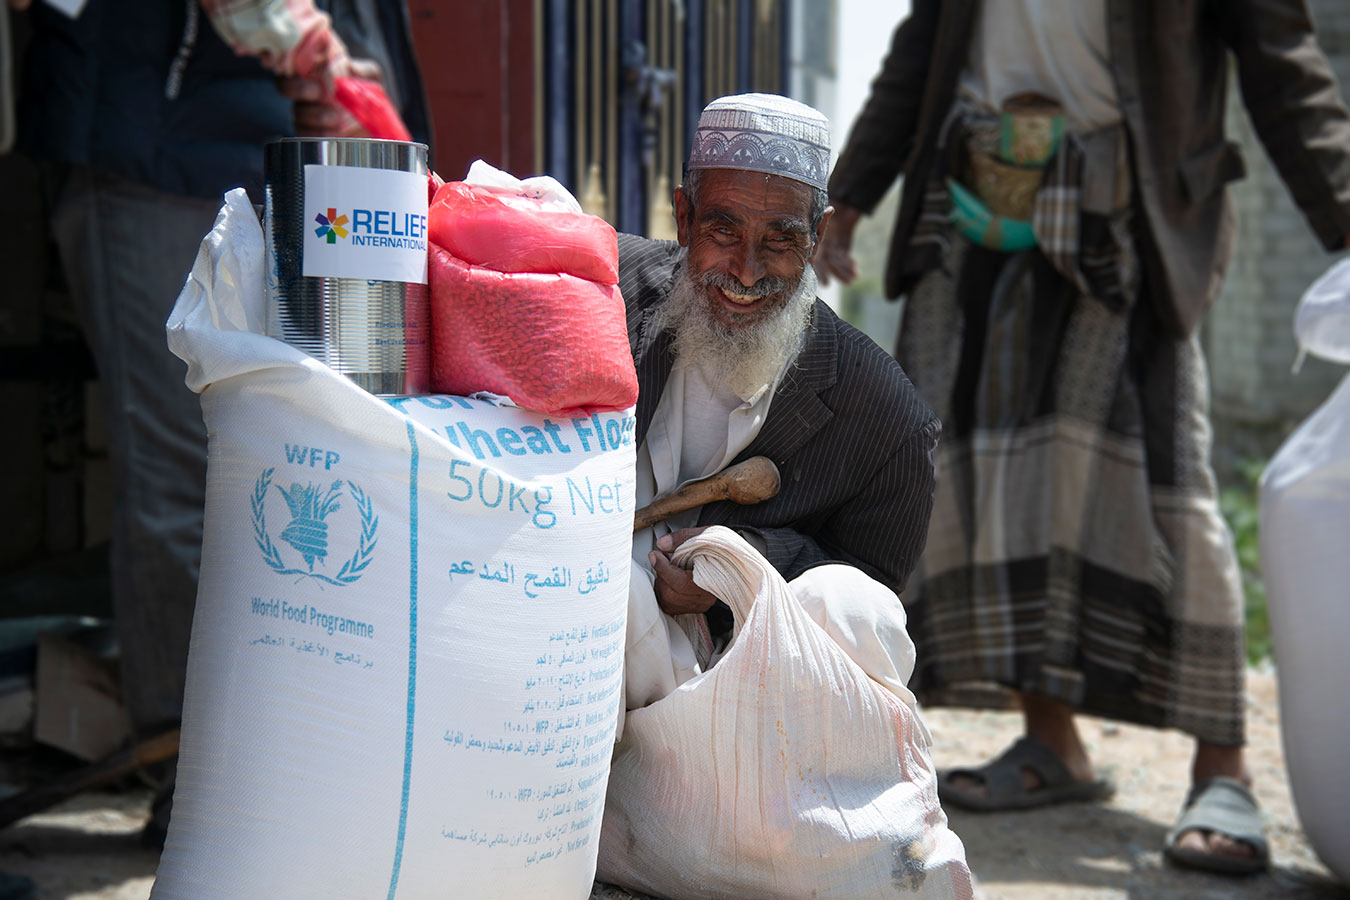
[752,481]
[116,765]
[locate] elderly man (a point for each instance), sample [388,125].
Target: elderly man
[737,358]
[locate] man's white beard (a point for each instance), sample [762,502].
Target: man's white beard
[743,357]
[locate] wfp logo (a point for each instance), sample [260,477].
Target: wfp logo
[313,531]
[332,226]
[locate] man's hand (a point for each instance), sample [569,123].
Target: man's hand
[317,113]
[676,592]
[834,255]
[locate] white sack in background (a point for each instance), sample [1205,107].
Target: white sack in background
[406,660]
[1305,563]
[782,772]
[1305,535]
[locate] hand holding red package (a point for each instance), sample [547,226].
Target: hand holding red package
[371,106]
[333,95]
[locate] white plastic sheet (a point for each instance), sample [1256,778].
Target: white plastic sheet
[406,659]
[1322,320]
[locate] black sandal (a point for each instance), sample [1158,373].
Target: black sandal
[1006,788]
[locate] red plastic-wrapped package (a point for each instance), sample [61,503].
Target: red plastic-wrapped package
[371,106]
[514,233]
[553,343]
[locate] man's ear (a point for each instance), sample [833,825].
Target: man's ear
[681,216]
[820,231]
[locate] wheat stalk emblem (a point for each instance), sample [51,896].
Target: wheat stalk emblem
[310,505]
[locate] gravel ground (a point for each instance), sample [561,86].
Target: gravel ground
[87,849]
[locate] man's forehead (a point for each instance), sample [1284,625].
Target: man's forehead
[738,192]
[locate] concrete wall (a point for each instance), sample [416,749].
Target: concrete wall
[1248,335]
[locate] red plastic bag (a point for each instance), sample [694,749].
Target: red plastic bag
[512,233]
[553,343]
[371,106]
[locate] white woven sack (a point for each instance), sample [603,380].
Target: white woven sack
[1305,532]
[406,659]
[782,772]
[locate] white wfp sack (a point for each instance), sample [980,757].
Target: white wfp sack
[782,772]
[406,659]
[1305,536]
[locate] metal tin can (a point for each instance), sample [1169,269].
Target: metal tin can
[345,221]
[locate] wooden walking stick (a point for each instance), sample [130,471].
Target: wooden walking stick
[115,765]
[752,481]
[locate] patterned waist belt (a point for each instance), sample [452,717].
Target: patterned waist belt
[999,168]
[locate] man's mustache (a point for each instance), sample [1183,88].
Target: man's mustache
[765,286]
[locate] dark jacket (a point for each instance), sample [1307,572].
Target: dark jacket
[853,443]
[1170,63]
[146,90]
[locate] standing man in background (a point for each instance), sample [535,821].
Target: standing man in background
[1064,226]
[143,114]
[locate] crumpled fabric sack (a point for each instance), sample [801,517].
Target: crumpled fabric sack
[524,297]
[782,772]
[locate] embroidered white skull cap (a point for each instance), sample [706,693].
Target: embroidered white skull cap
[763,133]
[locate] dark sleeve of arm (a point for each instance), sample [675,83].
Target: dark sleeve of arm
[646,268]
[1296,106]
[881,529]
[883,135]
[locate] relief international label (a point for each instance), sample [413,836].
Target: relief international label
[368,224]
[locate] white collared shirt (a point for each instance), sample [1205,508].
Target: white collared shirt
[698,427]
[1058,48]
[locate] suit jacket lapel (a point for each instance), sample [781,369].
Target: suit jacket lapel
[956,25]
[797,412]
[655,359]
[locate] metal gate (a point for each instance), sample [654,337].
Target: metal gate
[620,85]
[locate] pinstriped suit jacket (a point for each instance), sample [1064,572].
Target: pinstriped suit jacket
[852,441]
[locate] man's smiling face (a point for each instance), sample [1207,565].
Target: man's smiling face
[749,239]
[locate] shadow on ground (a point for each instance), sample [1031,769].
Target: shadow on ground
[1098,850]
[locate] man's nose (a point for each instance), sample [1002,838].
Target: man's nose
[748,265]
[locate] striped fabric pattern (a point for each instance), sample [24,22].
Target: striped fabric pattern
[1076,548]
[854,444]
